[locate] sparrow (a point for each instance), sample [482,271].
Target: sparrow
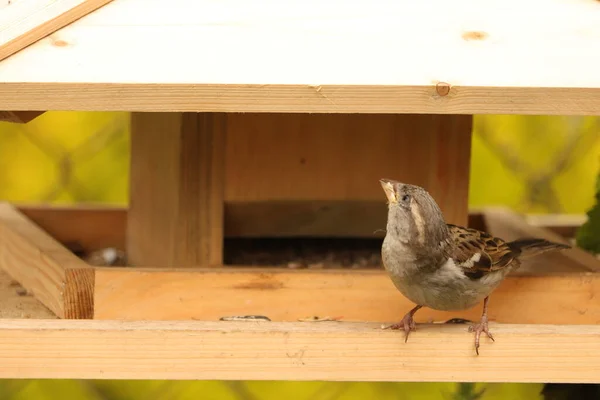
[444,266]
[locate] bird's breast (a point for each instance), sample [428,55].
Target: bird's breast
[441,285]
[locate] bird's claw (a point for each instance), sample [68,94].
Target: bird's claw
[478,329]
[407,324]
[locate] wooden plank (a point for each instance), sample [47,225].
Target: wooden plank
[301,351]
[56,277]
[510,225]
[177,181]
[81,228]
[21,117]
[292,157]
[25,22]
[317,57]
[356,295]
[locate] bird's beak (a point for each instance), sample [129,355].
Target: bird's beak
[388,188]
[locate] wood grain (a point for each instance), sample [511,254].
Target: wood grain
[317,57]
[356,295]
[291,157]
[301,351]
[81,228]
[56,277]
[177,181]
[17,302]
[25,22]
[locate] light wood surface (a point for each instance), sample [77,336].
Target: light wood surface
[298,351]
[378,56]
[177,173]
[355,295]
[17,302]
[56,277]
[25,22]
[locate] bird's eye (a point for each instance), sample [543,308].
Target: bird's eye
[406,198]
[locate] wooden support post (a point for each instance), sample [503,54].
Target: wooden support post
[175,217]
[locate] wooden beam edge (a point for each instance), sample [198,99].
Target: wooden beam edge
[53,274]
[300,351]
[296,98]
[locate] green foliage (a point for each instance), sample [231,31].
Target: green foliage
[467,391]
[534,164]
[588,235]
[49,389]
[66,157]
[259,390]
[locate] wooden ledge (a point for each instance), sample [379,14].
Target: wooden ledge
[288,295]
[299,351]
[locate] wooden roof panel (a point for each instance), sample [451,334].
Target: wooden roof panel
[312,56]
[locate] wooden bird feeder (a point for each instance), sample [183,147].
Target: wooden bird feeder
[276,119]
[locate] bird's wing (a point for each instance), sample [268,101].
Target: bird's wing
[478,253]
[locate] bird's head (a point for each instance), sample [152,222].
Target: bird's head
[413,215]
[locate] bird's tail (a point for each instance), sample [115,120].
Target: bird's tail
[532,247]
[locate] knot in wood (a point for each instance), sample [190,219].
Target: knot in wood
[442,88]
[474,35]
[59,43]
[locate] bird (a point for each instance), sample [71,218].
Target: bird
[444,266]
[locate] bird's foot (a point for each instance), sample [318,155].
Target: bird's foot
[478,329]
[407,324]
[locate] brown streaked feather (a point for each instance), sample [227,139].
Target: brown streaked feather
[495,253]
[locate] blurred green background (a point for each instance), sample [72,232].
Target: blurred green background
[529,163]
